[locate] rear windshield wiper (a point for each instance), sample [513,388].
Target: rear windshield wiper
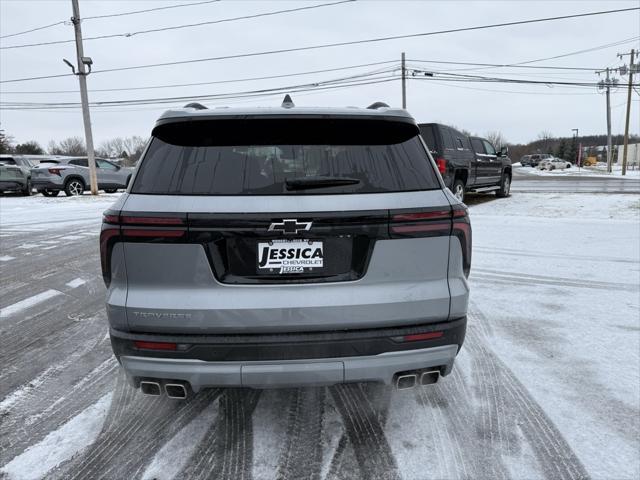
[302,183]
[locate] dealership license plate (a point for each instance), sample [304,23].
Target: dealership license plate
[290,256]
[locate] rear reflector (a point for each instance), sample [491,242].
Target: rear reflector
[416,337]
[155,345]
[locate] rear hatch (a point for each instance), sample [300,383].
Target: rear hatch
[282,224]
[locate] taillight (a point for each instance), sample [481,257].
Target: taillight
[461,228]
[55,171]
[131,228]
[435,223]
[442,165]
[428,223]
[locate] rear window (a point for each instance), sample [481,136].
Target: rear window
[266,156]
[428,133]
[7,161]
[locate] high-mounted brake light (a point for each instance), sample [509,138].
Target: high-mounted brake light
[442,165]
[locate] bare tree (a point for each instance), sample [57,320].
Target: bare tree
[497,139]
[72,146]
[129,148]
[546,138]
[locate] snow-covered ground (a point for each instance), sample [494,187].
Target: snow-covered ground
[558,280]
[39,213]
[547,384]
[595,171]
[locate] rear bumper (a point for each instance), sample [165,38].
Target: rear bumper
[46,184]
[286,360]
[12,184]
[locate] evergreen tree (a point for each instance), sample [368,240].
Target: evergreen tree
[29,148]
[562,147]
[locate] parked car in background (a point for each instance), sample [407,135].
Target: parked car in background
[15,173]
[553,163]
[296,246]
[71,175]
[467,163]
[534,159]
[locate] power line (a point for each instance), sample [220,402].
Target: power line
[155,9]
[524,64]
[341,44]
[350,78]
[479,78]
[217,82]
[62,22]
[249,94]
[176,27]
[110,15]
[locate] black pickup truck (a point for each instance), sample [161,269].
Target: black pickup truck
[467,163]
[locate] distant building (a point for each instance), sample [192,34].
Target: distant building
[633,154]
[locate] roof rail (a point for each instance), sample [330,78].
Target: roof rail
[377,105]
[196,105]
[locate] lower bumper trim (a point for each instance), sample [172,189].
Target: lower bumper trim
[290,373]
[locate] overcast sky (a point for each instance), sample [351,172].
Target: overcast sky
[520,112]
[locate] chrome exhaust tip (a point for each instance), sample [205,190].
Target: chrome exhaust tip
[175,390]
[150,388]
[404,382]
[429,377]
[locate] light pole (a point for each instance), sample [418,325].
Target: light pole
[577,133]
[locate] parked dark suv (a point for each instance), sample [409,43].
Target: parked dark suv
[467,163]
[285,247]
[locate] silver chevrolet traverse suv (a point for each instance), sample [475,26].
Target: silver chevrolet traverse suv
[285,247]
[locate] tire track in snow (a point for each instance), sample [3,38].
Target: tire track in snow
[137,426]
[302,455]
[365,433]
[226,450]
[554,454]
[525,279]
[38,415]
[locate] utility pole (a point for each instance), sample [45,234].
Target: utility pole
[82,78]
[609,151]
[626,126]
[607,88]
[404,83]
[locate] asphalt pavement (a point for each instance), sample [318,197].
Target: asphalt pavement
[528,183]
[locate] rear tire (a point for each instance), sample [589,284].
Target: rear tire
[73,187]
[50,193]
[458,190]
[505,186]
[27,189]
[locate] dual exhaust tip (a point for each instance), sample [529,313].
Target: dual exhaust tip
[172,390]
[409,380]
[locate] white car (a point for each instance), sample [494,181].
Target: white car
[553,164]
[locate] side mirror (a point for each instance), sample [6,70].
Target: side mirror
[504,150]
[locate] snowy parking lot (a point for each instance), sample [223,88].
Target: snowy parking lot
[547,384]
